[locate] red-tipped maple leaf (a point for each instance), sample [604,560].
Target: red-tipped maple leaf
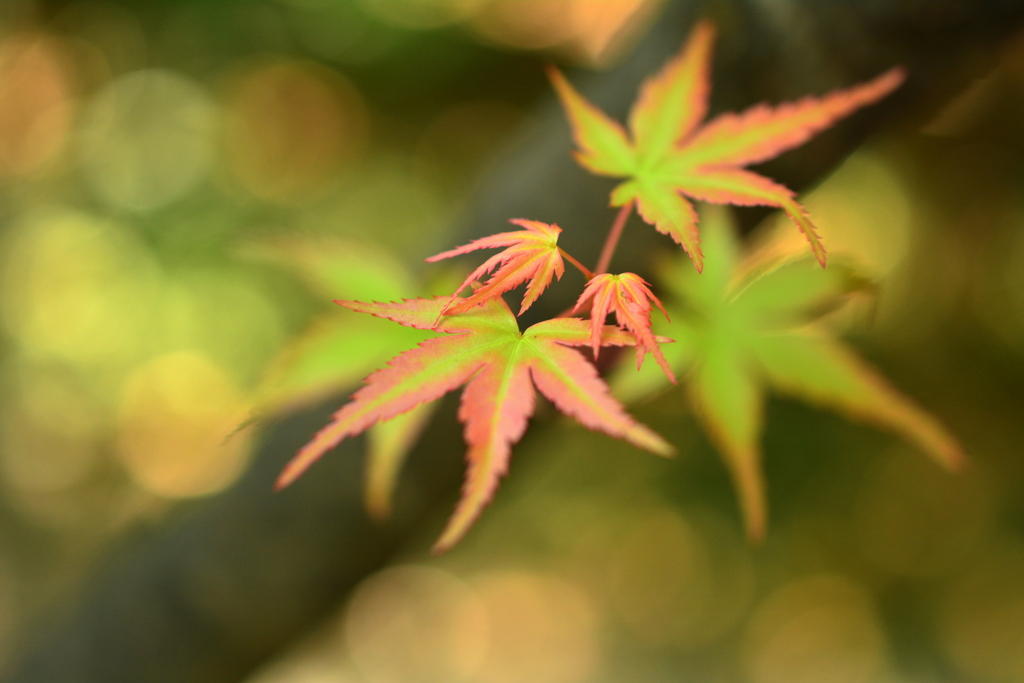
[665,155]
[485,348]
[532,254]
[629,296]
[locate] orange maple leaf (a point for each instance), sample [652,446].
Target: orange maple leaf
[666,155]
[630,298]
[533,254]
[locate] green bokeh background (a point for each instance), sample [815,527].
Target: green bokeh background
[159,160]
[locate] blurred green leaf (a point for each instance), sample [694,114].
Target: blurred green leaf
[389,443]
[737,331]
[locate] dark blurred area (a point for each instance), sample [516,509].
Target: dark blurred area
[146,147]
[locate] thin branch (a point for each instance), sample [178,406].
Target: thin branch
[612,241]
[582,268]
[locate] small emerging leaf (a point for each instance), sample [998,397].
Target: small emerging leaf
[629,297]
[532,254]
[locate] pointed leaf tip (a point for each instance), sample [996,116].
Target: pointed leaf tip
[646,438]
[495,407]
[603,147]
[810,365]
[421,314]
[673,102]
[750,486]
[762,132]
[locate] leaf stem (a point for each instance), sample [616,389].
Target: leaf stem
[582,268]
[612,241]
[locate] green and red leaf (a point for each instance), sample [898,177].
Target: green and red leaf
[668,211]
[672,102]
[668,154]
[603,147]
[763,132]
[485,349]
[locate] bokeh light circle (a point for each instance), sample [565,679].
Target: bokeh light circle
[981,619]
[77,288]
[290,126]
[675,583]
[36,108]
[147,139]
[820,628]
[176,416]
[49,430]
[416,624]
[543,629]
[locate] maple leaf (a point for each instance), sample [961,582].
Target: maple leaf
[736,333]
[629,297]
[339,348]
[484,348]
[666,155]
[532,254]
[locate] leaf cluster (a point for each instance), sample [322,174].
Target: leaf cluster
[729,333]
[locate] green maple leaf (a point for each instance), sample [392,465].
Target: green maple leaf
[666,153]
[341,347]
[484,349]
[738,333]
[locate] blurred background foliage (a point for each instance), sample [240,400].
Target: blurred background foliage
[162,163]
